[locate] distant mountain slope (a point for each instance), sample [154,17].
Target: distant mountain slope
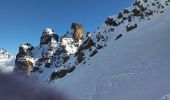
[6,61]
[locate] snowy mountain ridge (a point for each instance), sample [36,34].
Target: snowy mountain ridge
[5,56]
[122,60]
[66,53]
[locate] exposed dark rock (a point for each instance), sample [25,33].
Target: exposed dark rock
[119,36]
[142,8]
[126,11]
[149,13]
[61,73]
[37,69]
[93,53]
[65,59]
[145,1]
[131,27]
[100,37]
[125,18]
[161,11]
[112,29]
[80,57]
[88,44]
[136,12]
[47,64]
[136,3]
[111,22]
[120,15]
[129,18]
[71,69]
[99,47]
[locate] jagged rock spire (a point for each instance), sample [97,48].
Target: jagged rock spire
[77,31]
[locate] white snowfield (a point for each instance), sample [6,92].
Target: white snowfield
[135,67]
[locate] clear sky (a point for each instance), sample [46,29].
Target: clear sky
[22,21]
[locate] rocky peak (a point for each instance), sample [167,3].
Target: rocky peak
[48,36]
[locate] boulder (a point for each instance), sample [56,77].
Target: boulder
[131,27]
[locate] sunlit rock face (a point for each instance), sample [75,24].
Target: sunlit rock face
[77,31]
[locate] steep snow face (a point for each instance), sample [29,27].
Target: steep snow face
[134,67]
[6,61]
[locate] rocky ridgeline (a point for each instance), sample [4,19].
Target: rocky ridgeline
[56,56]
[141,10]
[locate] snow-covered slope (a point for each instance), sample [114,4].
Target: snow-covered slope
[6,61]
[127,58]
[134,67]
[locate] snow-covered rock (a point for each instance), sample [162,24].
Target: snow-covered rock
[6,61]
[48,36]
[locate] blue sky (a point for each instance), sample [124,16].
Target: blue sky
[22,21]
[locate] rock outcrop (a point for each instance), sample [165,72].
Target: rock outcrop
[24,62]
[48,35]
[77,31]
